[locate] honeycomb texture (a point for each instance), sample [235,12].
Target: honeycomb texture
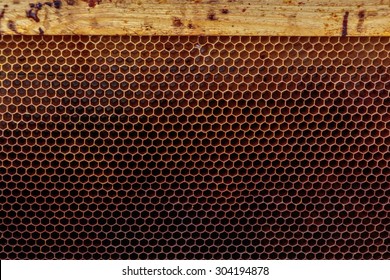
[194,147]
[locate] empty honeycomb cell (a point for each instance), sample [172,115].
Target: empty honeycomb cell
[162,147]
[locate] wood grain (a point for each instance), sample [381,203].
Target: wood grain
[200,17]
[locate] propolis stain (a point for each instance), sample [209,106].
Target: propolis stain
[92,3]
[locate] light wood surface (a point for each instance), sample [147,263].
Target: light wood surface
[199,17]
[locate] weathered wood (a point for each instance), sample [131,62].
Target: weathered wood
[199,17]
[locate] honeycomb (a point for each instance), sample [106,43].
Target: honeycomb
[115,147]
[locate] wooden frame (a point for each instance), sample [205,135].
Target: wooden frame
[196,17]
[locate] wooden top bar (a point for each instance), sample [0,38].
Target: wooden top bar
[196,17]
